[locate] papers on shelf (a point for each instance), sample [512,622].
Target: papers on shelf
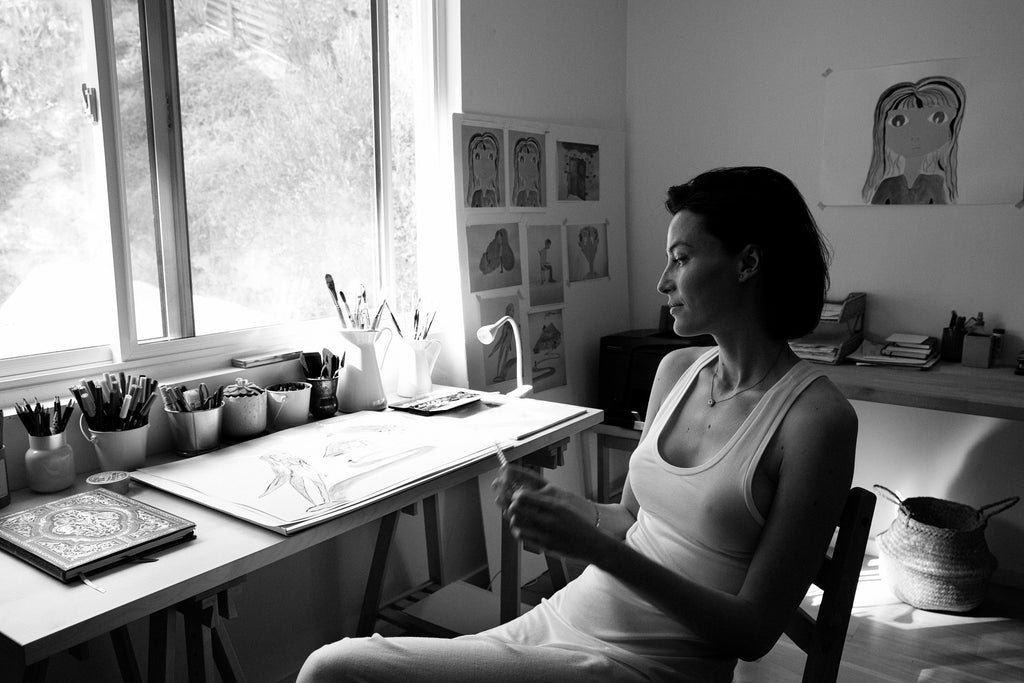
[290,480]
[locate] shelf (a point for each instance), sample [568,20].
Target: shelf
[988,392]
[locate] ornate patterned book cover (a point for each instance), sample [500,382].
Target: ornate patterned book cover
[87,531]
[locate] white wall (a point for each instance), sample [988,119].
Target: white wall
[563,64]
[740,82]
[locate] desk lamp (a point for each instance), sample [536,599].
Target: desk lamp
[486,336]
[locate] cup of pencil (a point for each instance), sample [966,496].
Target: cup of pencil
[49,460]
[115,418]
[195,417]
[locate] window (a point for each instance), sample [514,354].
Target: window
[180,175]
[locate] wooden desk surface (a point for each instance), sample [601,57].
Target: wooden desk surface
[40,616]
[989,392]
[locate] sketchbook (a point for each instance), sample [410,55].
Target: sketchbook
[300,477]
[88,531]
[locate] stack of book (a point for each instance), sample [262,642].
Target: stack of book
[916,346]
[910,350]
[839,331]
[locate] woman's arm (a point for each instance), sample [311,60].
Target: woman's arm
[815,448]
[613,519]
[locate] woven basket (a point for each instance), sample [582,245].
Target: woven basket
[934,555]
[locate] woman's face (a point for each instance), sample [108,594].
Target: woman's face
[700,277]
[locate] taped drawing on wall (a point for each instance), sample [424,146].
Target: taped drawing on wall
[547,350]
[483,162]
[544,249]
[587,246]
[493,256]
[529,185]
[935,132]
[579,171]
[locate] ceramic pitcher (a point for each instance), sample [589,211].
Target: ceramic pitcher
[359,381]
[415,363]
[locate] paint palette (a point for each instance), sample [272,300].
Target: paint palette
[438,402]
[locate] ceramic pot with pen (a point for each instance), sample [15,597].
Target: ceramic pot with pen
[195,417]
[49,460]
[321,371]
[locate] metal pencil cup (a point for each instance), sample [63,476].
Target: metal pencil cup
[195,432]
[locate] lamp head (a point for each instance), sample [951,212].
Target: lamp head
[486,333]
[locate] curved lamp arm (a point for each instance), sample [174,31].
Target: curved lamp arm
[486,336]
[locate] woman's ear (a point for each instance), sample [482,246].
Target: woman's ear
[749,262]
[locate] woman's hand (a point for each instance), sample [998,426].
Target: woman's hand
[550,518]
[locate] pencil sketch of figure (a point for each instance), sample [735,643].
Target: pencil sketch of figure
[297,472]
[504,346]
[546,269]
[914,143]
[499,254]
[588,241]
[482,187]
[526,185]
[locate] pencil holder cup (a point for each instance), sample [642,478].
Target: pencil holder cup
[952,344]
[287,405]
[49,463]
[117,451]
[416,359]
[323,399]
[245,416]
[196,431]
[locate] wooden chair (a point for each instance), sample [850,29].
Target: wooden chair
[824,636]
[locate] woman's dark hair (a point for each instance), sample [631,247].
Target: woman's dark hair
[755,205]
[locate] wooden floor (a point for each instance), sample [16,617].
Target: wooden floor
[893,642]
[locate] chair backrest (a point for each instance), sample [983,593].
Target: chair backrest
[823,637]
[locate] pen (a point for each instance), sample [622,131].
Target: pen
[501,454]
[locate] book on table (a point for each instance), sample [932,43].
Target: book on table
[88,531]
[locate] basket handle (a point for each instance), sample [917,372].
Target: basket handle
[892,496]
[1000,505]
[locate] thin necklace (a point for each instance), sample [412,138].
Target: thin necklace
[711,399]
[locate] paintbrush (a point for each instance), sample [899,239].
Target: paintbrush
[334,296]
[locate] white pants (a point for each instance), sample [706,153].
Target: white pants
[458,660]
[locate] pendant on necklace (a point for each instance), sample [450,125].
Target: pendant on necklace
[711,403]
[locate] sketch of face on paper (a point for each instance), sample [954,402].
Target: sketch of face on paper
[483,174]
[492,256]
[528,186]
[544,248]
[588,251]
[579,171]
[914,143]
[499,358]
[547,347]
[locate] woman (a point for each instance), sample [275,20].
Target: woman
[732,494]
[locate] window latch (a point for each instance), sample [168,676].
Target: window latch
[90,103]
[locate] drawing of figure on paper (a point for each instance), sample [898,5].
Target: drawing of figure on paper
[914,143]
[546,269]
[588,242]
[297,472]
[483,180]
[527,160]
[505,348]
[498,255]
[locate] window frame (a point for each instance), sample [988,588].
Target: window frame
[191,356]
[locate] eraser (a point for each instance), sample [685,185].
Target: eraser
[114,481]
